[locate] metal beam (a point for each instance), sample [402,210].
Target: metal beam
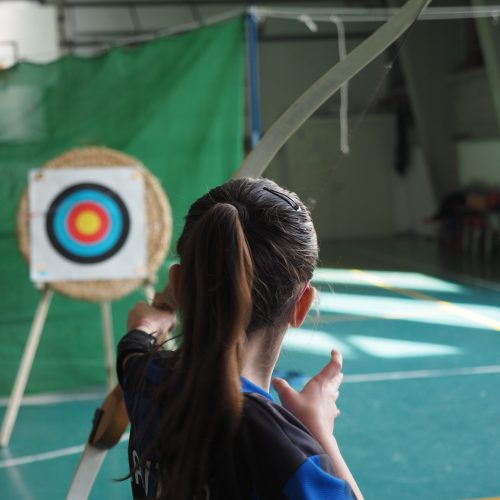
[175,3]
[108,38]
[312,37]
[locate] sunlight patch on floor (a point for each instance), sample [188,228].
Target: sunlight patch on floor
[408,281]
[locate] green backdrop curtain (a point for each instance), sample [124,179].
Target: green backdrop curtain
[174,103]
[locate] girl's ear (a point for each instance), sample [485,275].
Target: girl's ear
[302,306]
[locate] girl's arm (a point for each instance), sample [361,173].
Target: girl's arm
[156,323]
[154,320]
[315,406]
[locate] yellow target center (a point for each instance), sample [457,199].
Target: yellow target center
[88,223]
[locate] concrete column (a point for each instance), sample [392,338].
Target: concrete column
[489,37]
[431,50]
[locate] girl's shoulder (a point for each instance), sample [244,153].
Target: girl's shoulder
[282,454]
[268,421]
[148,368]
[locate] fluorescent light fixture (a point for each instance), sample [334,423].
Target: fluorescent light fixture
[370,15]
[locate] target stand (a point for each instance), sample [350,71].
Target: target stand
[94,225]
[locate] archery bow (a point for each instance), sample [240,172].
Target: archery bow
[253,166]
[260,157]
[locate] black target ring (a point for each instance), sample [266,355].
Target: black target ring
[87,223]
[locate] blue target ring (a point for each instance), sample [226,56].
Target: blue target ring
[107,210]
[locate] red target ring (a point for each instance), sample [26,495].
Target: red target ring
[88,222]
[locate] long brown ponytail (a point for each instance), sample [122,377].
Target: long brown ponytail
[215,300]
[246,251]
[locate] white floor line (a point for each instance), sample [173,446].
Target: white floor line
[415,374]
[57,397]
[410,374]
[49,455]
[358,378]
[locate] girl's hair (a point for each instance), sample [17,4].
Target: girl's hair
[246,252]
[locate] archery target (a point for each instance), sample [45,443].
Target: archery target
[87,223]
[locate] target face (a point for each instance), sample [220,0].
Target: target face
[87,223]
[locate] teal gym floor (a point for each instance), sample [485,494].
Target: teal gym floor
[420,401]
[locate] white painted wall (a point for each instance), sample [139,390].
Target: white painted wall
[414,199]
[117,24]
[472,100]
[350,196]
[31,28]
[479,162]
[287,69]
[359,195]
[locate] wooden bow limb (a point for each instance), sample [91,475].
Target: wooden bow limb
[109,423]
[253,166]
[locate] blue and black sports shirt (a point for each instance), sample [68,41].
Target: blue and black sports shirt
[273,455]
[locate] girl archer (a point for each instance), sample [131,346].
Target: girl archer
[203,424]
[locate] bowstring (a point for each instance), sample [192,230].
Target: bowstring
[398,44]
[339,157]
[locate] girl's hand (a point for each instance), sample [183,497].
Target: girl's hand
[165,300]
[149,319]
[315,406]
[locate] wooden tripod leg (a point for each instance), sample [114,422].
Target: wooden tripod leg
[108,338]
[149,292]
[24,369]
